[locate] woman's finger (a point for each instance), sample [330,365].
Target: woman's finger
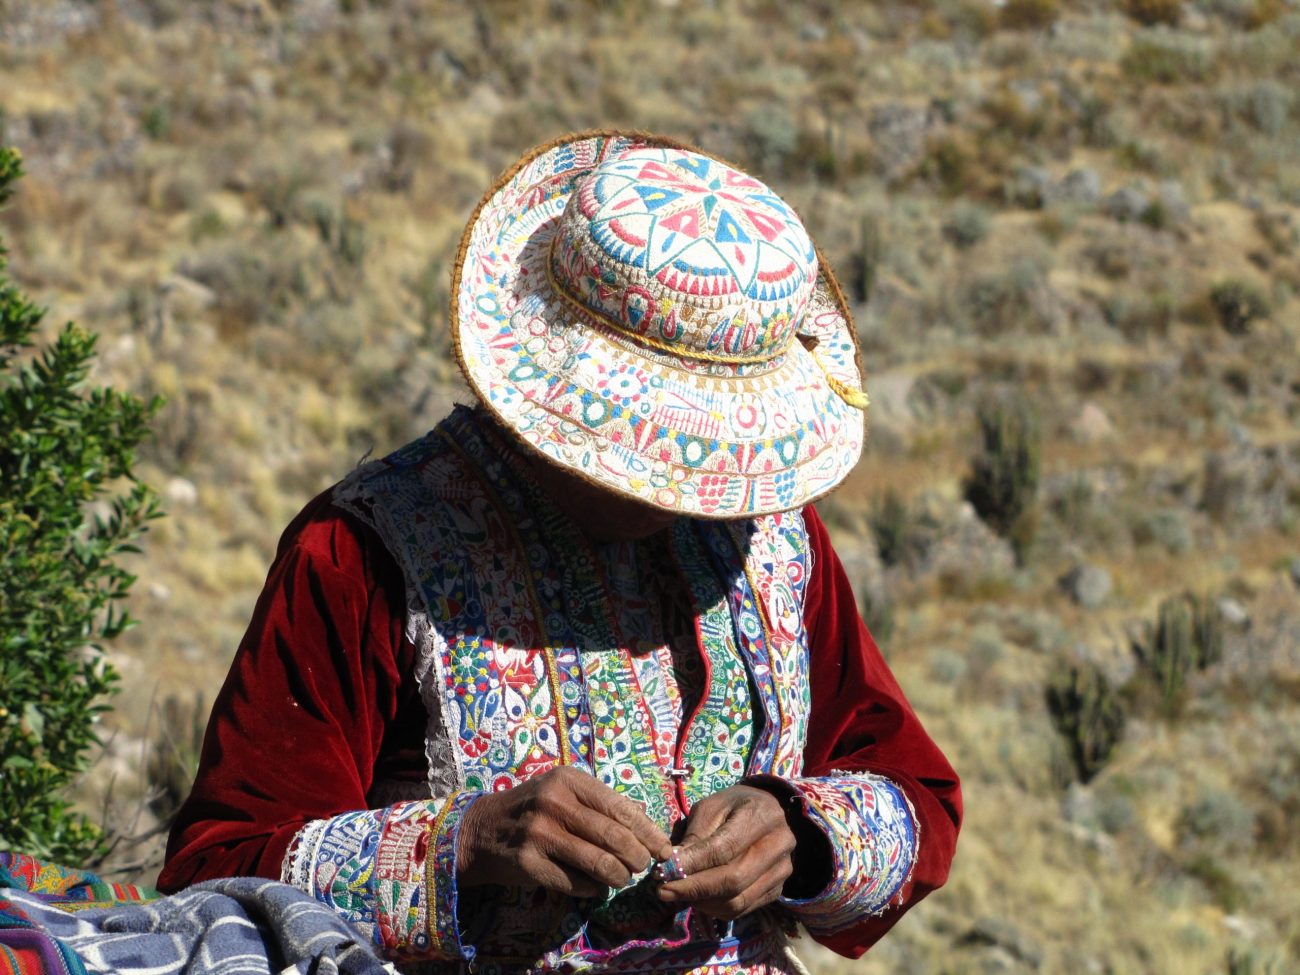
[597,796]
[559,877]
[746,823]
[766,858]
[594,861]
[609,834]
[756,896]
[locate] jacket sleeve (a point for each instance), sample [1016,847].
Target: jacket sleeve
[319,701]
[874,783]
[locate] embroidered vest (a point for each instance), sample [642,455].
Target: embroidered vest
[519,663]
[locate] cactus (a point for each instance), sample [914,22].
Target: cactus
[1088,713]
[1207,627]
[889,523]
[1188,634]
[1003,482]
[870,251]
[1238,305]
[1169,649]
[1251,961]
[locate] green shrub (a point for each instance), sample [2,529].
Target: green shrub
[1218,820]
[173,758]
[889,524]
[1003,481]
[1088,714]
[1168,60]
[62,447]
[1168,528]
[880,615]
[1248,960]
[966,225]
[1238,304]
[1002,300]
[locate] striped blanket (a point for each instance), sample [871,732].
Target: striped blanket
[71,922]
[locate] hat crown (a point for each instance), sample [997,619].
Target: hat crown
[687,254]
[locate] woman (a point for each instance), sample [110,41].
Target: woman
[576,681]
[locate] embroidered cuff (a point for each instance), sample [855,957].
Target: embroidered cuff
[390,872]
[873,837]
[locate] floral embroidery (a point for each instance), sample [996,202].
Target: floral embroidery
[873,838]
[550,651]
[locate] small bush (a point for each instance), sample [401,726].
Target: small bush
[1248,960]
[1148,13]
[1266,106]
[1086,710]
[1238,304]
[1141,316]
[889,524]
[1003,481]
[1029,14]
[950,162]
[880,615]
[173,758]
[1168,528]
[1248,14]
[1008,299]
[1168,61]
[1219,820]
[62,448]
[966,225]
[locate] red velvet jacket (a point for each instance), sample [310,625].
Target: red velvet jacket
[324,680]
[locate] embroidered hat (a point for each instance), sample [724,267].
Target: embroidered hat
[660,323]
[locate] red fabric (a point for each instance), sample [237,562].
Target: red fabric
[321,701]
[319,696]
[861,722]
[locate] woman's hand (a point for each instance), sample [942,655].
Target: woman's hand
[737,853]
[563,830]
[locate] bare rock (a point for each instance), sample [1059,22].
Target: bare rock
[184,296]
[861,561]
[1092,425]
[1234,614]
[998,933]
[1081,186]
[1032,187]
[1127,204]
[43,23]
[889,394]
[181,492]
[899,132]
[952,543]
[1087,585]
[1173,200]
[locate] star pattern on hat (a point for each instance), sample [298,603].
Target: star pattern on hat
[700,227]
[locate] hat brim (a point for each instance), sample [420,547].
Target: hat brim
[704,439]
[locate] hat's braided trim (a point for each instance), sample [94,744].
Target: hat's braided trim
[587,313]
[857,398]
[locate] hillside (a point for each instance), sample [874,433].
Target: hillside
[1083,218]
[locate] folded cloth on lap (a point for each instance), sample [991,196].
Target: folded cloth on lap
[231,926]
